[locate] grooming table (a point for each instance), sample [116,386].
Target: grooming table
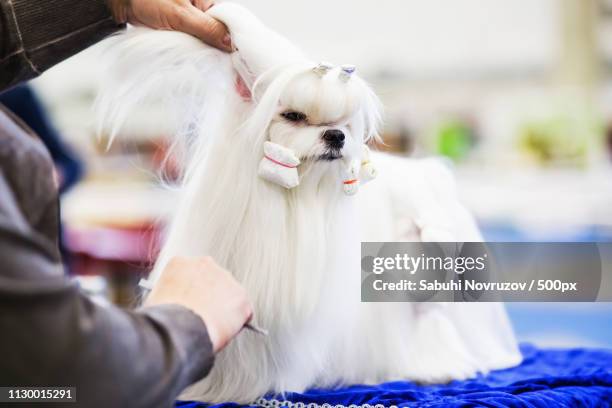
[546,378]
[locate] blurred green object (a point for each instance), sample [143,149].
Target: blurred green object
[454,139]
[565,138]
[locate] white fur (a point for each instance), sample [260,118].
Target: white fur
[297,251]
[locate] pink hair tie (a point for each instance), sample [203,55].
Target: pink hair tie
[279,163]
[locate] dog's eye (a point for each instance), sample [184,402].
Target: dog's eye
[293,116]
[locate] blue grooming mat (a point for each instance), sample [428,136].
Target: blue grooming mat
[546,378]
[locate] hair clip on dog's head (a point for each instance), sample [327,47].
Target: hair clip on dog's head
[346,71]
[322,68]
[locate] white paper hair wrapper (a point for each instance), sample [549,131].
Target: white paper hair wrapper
[358,172]
[350,177]
[279,165]
[368,172]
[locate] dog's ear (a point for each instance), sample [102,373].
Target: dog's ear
[242,88]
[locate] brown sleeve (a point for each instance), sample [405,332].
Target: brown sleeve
[37,34]
[51,333]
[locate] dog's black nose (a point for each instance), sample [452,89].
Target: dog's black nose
[334,137]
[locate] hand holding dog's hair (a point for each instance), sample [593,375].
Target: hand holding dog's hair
[188,16]
[208,290]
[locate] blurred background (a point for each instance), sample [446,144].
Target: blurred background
[517,94]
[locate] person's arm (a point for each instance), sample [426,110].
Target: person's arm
[37,34]
[52,335]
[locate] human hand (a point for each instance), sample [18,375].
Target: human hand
[188,16]
[208,290]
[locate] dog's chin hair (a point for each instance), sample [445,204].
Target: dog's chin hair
[324,157]
[330,156]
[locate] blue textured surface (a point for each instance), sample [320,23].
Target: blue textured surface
[546,378]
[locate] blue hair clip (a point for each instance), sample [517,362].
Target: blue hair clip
[346,71]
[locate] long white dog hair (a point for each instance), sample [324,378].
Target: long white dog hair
[296,251]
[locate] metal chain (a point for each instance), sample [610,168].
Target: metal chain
[274,403]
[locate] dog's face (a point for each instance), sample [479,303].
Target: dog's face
[314,117]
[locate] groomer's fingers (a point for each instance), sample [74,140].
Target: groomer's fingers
[203,4]
[211,31]
[209,291]
[188,16]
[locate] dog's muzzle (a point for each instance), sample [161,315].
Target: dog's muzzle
[279,166]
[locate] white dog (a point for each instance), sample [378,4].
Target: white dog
[274,151]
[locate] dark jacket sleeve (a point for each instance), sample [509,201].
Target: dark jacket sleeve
[53,335]
[37,34]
